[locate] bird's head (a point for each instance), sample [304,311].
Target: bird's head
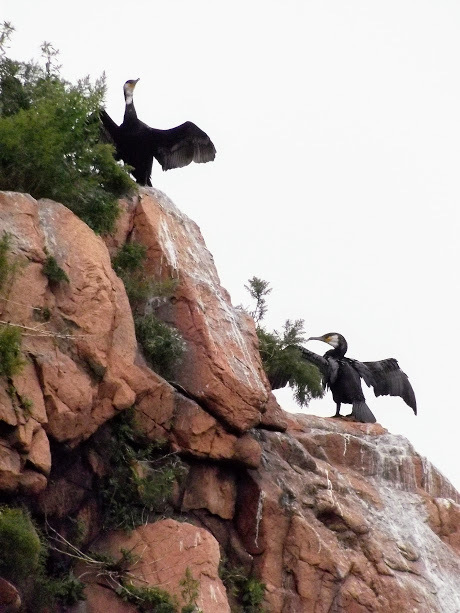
[331,338]
[128,89]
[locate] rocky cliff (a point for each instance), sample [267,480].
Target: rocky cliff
[331,516]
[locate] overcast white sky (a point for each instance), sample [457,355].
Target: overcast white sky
[337,127]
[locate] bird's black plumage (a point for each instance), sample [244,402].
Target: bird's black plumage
[137,144]
[342,375]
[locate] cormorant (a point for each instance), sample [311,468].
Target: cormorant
[137,143]
[343,377]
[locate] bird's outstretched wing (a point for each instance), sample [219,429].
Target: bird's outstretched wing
[181,145]
[390,380]
[363,370]
[316,359]
[279,376]
[108,128]
[329,367]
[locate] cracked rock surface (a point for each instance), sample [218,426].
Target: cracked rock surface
[332,516]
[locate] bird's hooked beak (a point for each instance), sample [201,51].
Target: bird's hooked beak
[330,339]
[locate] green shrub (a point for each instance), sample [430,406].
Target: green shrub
[281,358]
[128,263]
[11,361]
[252,595]
[20,545]
[23,559]
[148,599]
[4,260]
[49,130]
[283,362]
[141,479]
[156,600]
[141,289]
[42,314]
[258,289]
[190,592]
[8,266]
[163,345]
[66,590]
[53,271]
[129,258]
[247,591]
[27,404]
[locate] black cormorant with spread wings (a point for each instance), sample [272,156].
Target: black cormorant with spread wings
[137,144]
[342,375]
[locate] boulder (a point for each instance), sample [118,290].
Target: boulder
[212,488]
[10,599]
[162,553]
[76,333]
[351,528]
[222,366]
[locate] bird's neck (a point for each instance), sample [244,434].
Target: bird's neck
[338,352]
[130,111]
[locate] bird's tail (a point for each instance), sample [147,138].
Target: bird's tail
[361,412]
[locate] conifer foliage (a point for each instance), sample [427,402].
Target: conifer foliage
[280,355]
[49,132]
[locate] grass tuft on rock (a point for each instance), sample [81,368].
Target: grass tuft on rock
[53,271]
[20,545]
[163,345]
[11,360]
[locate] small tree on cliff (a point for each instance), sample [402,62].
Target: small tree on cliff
[49,132]
[281,359]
